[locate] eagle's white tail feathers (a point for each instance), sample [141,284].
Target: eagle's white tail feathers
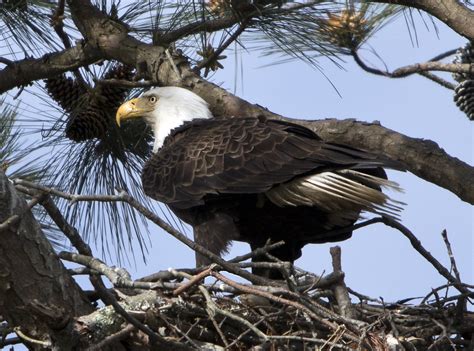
[338,192]
[373,180]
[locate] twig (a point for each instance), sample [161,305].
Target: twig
[444,55]
[111,339]
[415,68]
[71,233]
[193,280]
[179,331]
[362,297]
[257,252]
[168,274]
[244,333]
[416,244]
[323,320]
[340,290]
[311,340]
[173,65]
[221,23]
[213,308]
[438,80]
[335,232]
[219,331]
[58,25]
[11,221]
[127,83]
[154,337]
[108,298]
[117,279]
[204,63]
[454,267]
[31,340]
[82,271]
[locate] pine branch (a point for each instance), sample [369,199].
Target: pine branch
[452,12]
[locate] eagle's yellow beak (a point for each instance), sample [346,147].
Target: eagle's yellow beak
[130,109]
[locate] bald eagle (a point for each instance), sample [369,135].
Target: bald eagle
[253,179]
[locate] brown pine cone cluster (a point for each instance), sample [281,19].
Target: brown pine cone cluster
[65,91]
[464,91]
[114,95]
[88,124]
[90,111]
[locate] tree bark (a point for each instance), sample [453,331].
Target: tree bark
[452,12]
[37,294]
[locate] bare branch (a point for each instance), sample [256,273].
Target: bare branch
[340,290]
[438,80]
[58,25]
[215,55]
[452,12]
[111,339]
[126,83]
[454,267]
[445,54]
[434,262]
[405,71]
[31,340]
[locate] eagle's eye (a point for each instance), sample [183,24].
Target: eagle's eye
[152,99]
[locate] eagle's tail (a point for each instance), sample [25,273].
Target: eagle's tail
[338,192]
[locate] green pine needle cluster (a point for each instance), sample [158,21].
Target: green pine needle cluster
[15,162]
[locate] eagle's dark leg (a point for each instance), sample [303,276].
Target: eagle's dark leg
[288,253]
[215,233]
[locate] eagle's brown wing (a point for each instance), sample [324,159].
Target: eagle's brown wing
[247,155]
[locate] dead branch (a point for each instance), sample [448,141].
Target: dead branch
[340,290]
[406,71]
[434,262]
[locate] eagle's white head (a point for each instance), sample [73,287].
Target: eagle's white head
[164,109]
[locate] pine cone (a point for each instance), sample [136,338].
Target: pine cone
[464,55]
[65,91]
[115,95]
[88,124]
[218,7]
[347,29]
[464,97]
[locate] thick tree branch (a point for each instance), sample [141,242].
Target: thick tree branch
[37,293]
[452,12]
[25,71]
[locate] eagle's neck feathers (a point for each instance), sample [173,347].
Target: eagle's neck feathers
[175,107]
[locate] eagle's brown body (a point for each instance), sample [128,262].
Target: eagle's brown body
[252,179]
